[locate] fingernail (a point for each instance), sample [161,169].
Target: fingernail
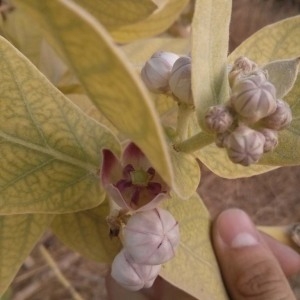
[236,229]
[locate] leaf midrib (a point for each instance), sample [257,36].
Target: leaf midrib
[92,168]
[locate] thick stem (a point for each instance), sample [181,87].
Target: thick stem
[195,142]
[184,113]
[289,235]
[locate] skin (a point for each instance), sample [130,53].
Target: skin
[254,265]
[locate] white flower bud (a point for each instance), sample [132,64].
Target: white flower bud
[271,137]
[131,275]
[180,80]
[156,72]
[218,118]
[280,118]
[245,146]
[253,97]
[150,237]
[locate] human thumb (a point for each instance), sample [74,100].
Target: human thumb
[249,268]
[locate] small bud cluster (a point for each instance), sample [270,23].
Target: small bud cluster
[248,124]
[149,239]
[167,72]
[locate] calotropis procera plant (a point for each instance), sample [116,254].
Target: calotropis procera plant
[88,151]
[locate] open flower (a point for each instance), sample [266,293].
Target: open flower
[132,182]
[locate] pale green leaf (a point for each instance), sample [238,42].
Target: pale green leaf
[117,13]
[19,31]
[50,150]
[186,173]
[216,159]
[140,51]
[273,42]
[110,81]
[18,235]
[162,18]
[210,35]
[88,233]
[283,74]
[194,268]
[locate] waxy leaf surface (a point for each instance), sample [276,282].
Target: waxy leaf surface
[210,35]
[18,235]
[283,74]
[50,150]
[194,268]
[117,13]
[88,233]
[161,19]
[109,80]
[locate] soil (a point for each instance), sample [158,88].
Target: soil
[271,198]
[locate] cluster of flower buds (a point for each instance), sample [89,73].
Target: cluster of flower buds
[167,72]
[248,124]
[149,239]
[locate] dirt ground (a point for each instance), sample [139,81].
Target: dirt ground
[271,198]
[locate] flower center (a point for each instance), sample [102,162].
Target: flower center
[137,181]
[139,178]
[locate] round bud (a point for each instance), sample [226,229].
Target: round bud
[271,139]
[280,118]
[131,275]
[180,80]
[218,118]
[156,72]
[253,97]
[245,146]
[150,237]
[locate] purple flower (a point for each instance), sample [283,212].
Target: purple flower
[132,182]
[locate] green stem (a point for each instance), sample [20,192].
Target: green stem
[184,113]
[195,142]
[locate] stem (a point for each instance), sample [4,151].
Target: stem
[184,112]
[284,234]
[195,142]
[61,278]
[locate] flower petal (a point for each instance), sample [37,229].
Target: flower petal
[111,169]
[154,203]
[134,156]
[117,197]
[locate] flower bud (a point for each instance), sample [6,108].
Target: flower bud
[150,237]
[131,275]
[281,118]
[218,118]
[253,97]
[156,72]
[271,139]
[245,146]
[240,68]
[180,80]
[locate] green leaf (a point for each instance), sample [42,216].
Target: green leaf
[283,74]
[166,14]
[210,35]
[117,13]
[194,268]
[88,233]
[186,173]
[18,235]
[110,81]
[216,159]
[50,150]
[273,42]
